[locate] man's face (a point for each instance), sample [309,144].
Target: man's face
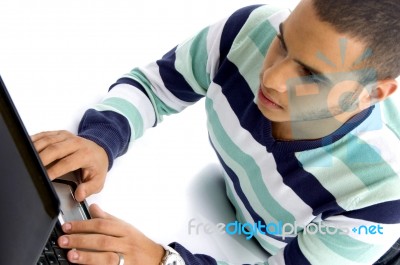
[309,72]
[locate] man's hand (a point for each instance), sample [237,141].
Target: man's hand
[62,152]
[99,240]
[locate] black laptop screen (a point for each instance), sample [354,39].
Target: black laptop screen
[27,204]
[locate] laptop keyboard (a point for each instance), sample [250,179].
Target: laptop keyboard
[52,254]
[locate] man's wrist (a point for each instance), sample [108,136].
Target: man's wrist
[171,257]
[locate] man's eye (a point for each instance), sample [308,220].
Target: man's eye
[306,72]
[317,78]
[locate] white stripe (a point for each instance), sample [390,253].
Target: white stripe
[278,18]
[249,219]
[318,253]
[213,40]
[387,144]
[138,99]
[333,177]
[152,73]
[277,259]
[245,185]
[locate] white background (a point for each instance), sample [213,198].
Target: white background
[58,58]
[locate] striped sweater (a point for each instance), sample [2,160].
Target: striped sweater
[340,194]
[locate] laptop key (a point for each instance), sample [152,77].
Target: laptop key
[42,261]
[48,248]
[53,239]
[60,254]
[52,259]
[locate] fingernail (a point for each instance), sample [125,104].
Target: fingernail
[63,241]
[74,255]
[67,227]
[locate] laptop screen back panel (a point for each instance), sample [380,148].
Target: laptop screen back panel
[28,205]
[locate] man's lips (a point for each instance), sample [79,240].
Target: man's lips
[267,100]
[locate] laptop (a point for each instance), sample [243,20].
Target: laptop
[32,207]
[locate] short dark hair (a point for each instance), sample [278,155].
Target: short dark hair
[374,22]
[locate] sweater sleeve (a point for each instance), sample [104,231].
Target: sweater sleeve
[141,98]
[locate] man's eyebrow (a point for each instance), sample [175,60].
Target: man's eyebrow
[305,66]
[309,68]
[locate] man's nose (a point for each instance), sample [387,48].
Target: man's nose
[277,76]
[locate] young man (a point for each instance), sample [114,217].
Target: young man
[300,115]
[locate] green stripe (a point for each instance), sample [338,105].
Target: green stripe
[391,114]
[262,36]
[368,165]
[349,247]
[338,247]
[363,160]
[351,166]
[248,166]
[160,107]
[194,67]
[130,112]
[245,182]
[240,217]
[251,44]
[340,182]
[252,23]
[198,51]
[250,54]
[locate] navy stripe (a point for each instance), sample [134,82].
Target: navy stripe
[293,254]
[134,83]
[232,27]
[240,98]
[383,213]
[108,129]
[236,184]
[300,181]
[192,259]
[174,81]
[129,81]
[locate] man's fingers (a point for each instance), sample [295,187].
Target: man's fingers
[87,188]
[63,165]
[105,226]
[98,242]
[97,212]
[62,152]
[41,135]
[93,258]
[58,151]
[44,139]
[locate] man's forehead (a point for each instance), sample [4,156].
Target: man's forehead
[317,44]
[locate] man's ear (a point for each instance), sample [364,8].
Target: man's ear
[378,92]
[384,89]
